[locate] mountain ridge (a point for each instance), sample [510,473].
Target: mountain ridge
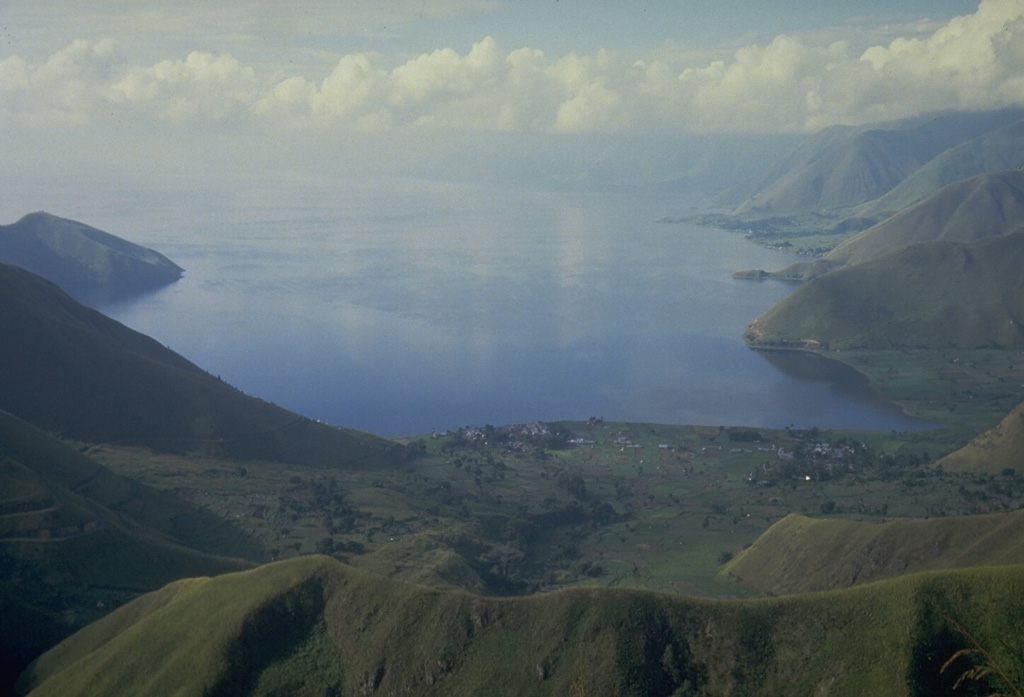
[71,370]
[841,167]
[966,210]
[985,205]
[311,625]
[895,301]
[998,150]
[76,538]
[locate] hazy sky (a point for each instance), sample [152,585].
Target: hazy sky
[277,81]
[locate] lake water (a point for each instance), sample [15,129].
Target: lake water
[405,307]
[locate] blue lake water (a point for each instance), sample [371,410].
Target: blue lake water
[404,307]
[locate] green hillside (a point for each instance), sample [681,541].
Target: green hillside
[800,554]
[73,371]
[998,449]
[933,294]
[312,626]
[87,263]
[994,151]
[77,540]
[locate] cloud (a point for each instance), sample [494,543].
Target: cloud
[64,90]
[971,62]
[792,83]
[203,85]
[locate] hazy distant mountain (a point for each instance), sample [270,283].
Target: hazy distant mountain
[842,166]
[87,263]
[932,294]
[71,370]
[986,205]
[994,151]
[312,626]
[983,206]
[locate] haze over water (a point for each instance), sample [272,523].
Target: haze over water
[405,307]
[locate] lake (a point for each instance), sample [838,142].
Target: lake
[404,307]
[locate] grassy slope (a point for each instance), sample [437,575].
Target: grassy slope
[800,554]
[71,370]
[934,294]
[76,540]
[314,626]
[995,450]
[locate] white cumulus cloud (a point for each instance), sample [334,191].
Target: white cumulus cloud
[792,83]
[203,85]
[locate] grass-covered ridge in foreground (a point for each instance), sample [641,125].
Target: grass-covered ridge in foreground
[314,626]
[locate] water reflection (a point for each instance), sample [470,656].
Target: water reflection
[435,307]
[843,379]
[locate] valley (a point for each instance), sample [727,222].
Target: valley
[154,516]
[625,505]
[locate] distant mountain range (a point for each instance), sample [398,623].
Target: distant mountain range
[844,167]
[87,263]
[966,210]
[993,151]
[923,276]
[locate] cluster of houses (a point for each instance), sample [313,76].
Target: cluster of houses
[514,437]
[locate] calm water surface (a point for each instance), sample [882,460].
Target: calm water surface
[405,307]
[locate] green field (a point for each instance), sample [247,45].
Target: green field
[633,505]
[966,390]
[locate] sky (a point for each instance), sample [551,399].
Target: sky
[208,89]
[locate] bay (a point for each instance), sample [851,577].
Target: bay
[404,307]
